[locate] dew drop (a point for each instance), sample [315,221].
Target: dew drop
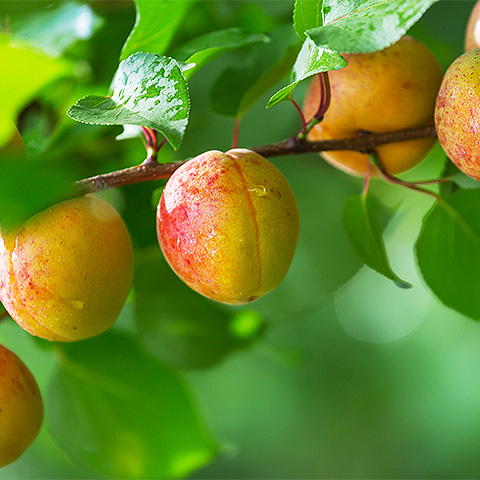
[258,191]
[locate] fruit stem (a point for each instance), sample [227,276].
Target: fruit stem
[325,97]
[396,181]
[302,117]
[236,131]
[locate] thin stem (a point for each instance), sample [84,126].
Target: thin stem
[146,131]
[366,182]
[302,117]
[325,97]
[236,132]
[397,181]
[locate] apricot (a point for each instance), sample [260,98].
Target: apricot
[228,225]
[456,113]
[66,273]
[388,90]
[472,33]
[21,407]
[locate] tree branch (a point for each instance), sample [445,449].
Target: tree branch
[151,170]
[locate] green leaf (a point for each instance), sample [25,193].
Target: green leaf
[182,328]
[448,251]
[310,61]
[307,14]
[66,24]
[155,25]
[199,51]
[359,26]
[457,177]
[119,412]
[360,220]
[269,79]
[148,90]
[19,85]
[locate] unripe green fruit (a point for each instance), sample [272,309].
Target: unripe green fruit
[228,225]
[457,113]
[392,89]
[66,273]
[472,33]
[21,407]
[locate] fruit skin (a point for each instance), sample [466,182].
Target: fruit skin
[21,407]
[472,33]
[66,273]
[389,90]
[456,113]
[228,225]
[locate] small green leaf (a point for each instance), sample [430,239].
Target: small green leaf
[199,51]
[360,220]
[66,24]
[269,79]
[116,410]
[448,251]
[182,328]
[457,177]
[310,61]
[155,25]
[18,85]
[148,90]
[359,26]
[307,14]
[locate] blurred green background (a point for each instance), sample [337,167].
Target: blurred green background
[353,377]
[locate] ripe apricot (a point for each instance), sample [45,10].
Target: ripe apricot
[472,33]
[456,113]
[66,273]
[388,90]
[228,225]
[21,407]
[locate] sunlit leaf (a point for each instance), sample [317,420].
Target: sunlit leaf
[149,90]
[55,30]
[307,14]
[18,84]
[156,24]
[123,414]
[310,61]
[357,26]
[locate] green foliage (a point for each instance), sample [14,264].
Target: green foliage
[359,26]
[148,90]
[360,220]
[155,26]
[202,50]
[310,61]
[19,85]
[126,416]
[284,379]
[66,24]
[447,251]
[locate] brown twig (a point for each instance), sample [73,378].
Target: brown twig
[151,170]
